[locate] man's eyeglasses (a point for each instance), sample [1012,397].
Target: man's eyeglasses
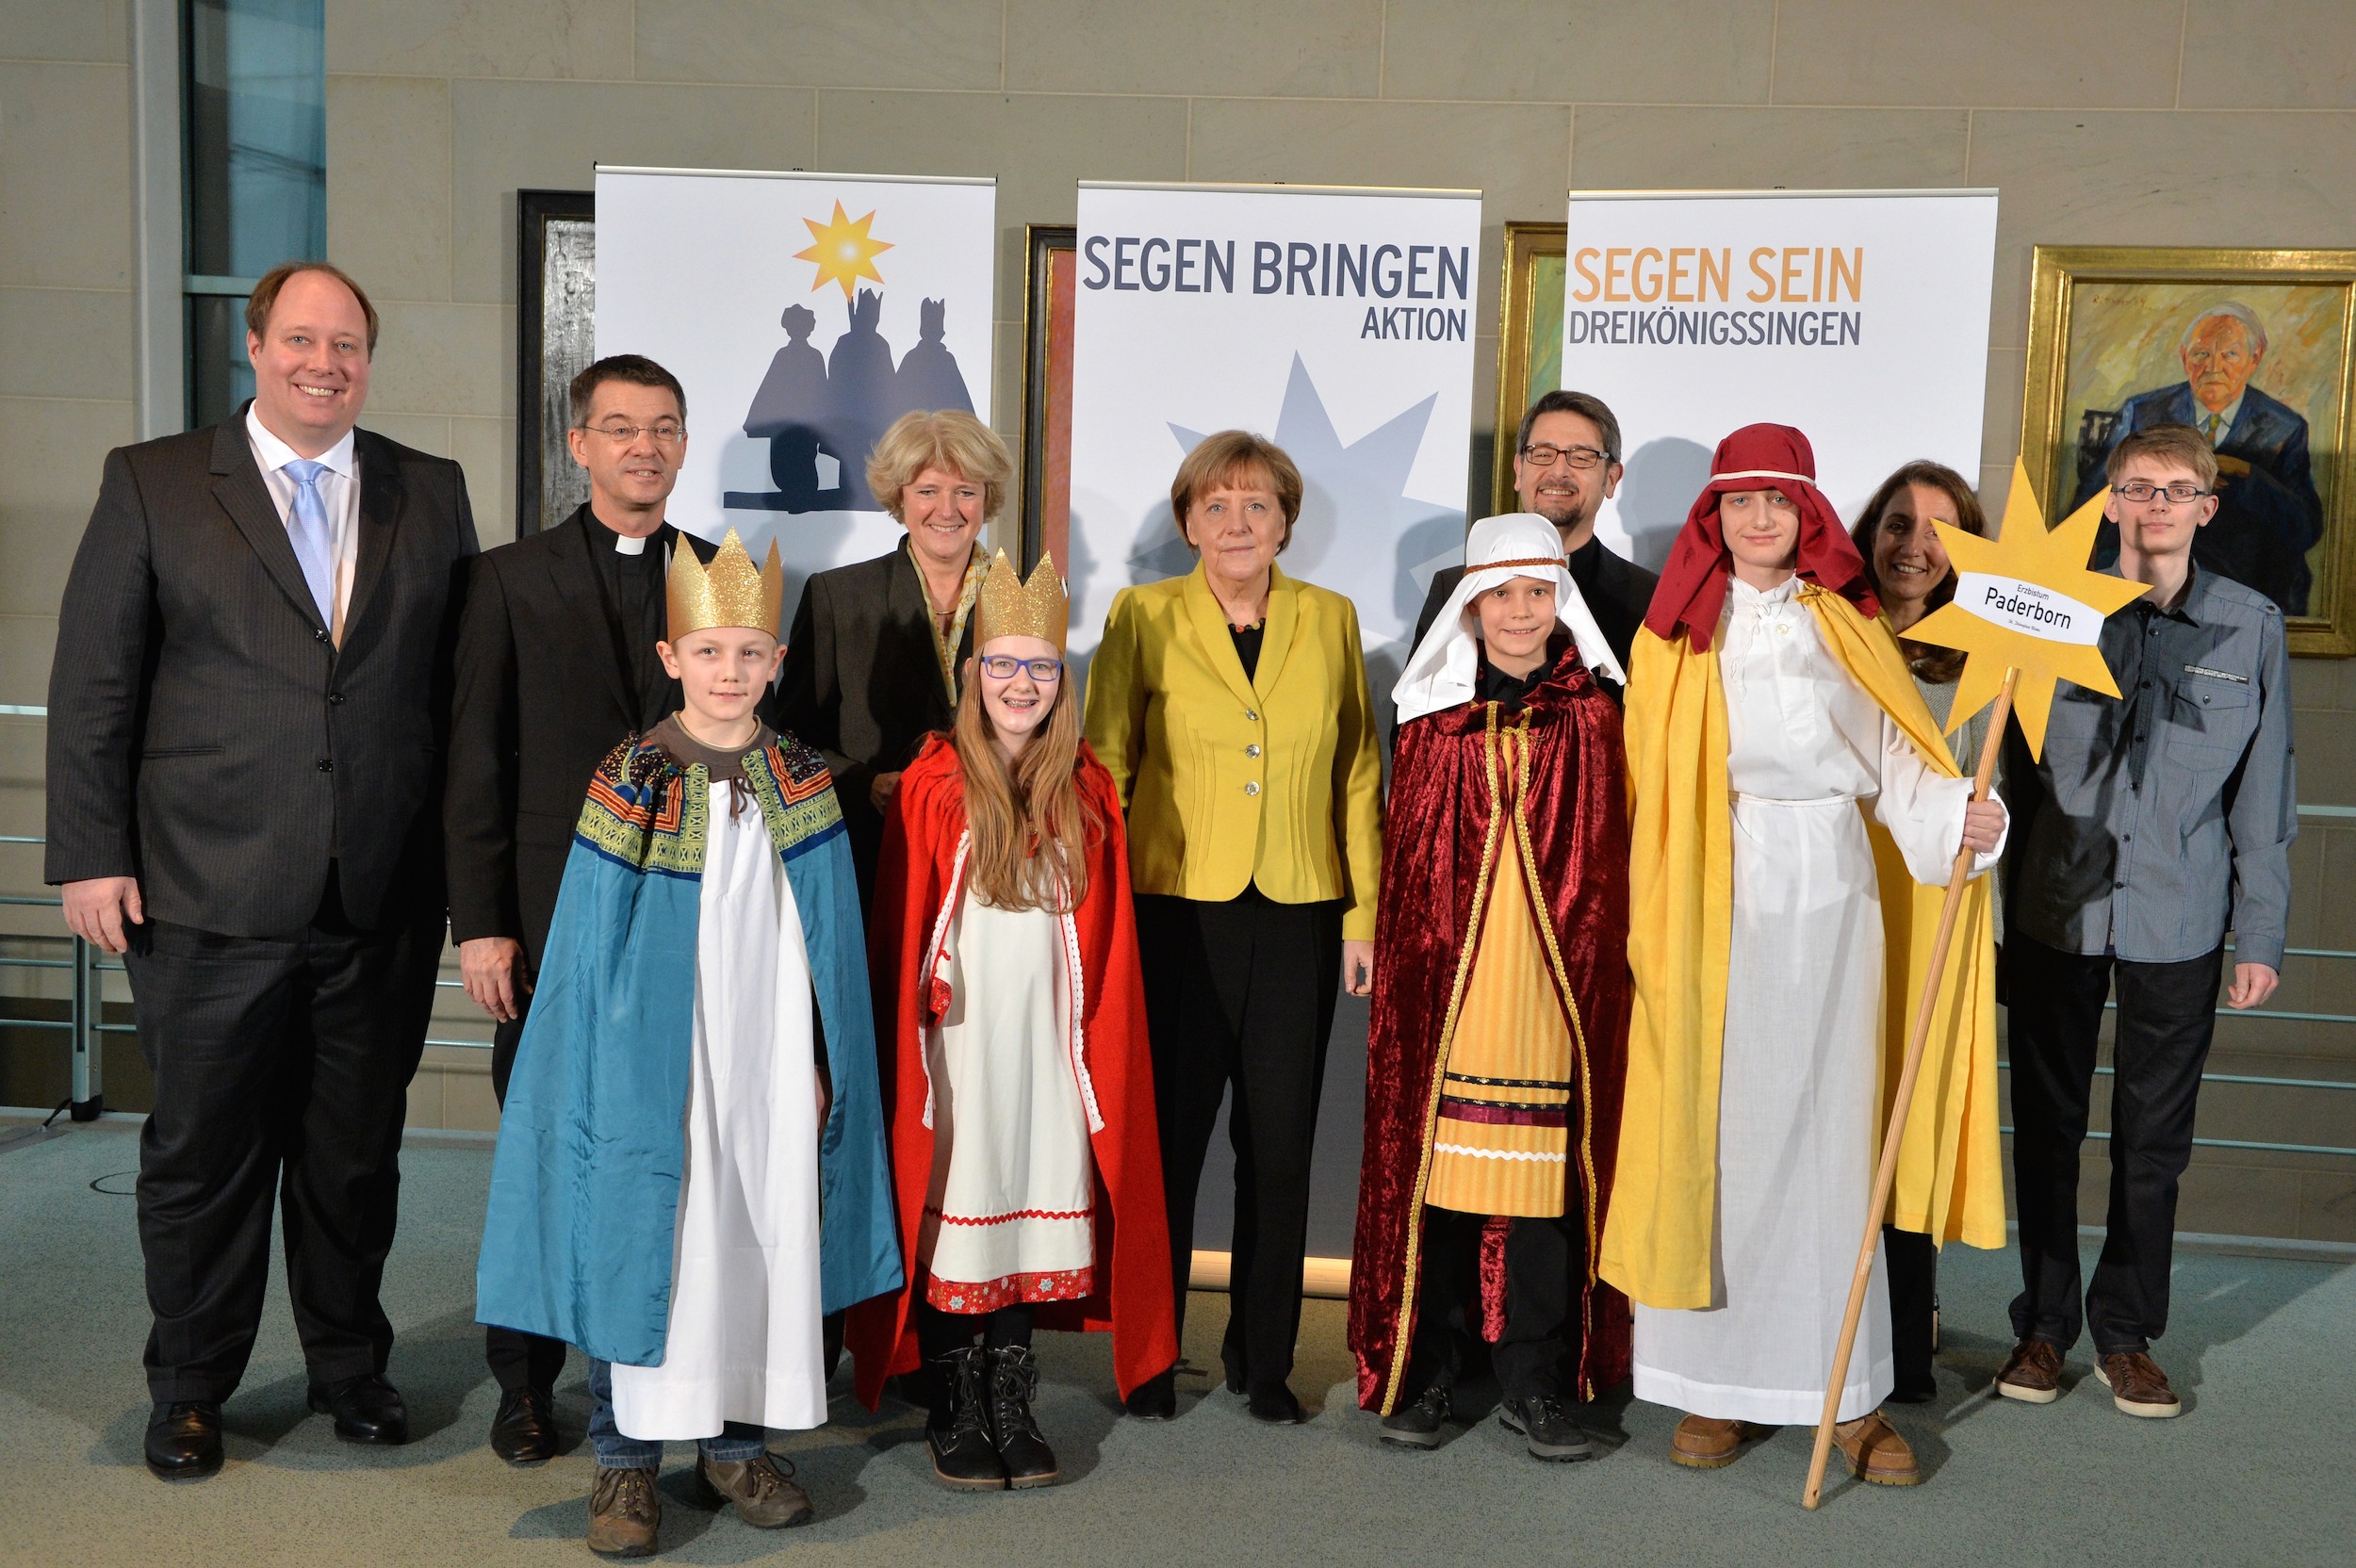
[2139,491]
[667,434]
[1544,456]
[1001,666]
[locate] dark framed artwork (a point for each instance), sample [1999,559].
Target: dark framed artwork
[1047,308]
[556,309]
[1530,341]
[2254,349]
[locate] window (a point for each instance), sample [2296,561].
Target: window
[256,124]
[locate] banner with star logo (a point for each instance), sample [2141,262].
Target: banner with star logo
[1339,323]
[803,314]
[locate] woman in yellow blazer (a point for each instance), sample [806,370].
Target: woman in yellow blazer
[1231,706]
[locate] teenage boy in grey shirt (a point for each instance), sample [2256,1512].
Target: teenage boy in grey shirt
[2153,823]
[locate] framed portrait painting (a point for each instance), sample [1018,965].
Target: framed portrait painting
[2252,349]
[556,338]
[1047,315]
[1530,341]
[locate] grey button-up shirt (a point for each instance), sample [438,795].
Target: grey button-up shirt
[2157,819]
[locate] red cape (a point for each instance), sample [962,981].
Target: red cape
[1434,847]
[916,881]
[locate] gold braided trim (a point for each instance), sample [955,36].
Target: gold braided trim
[1402,1337]
[1579,1041]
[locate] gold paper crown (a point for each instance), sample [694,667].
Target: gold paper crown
[727,593]
[1010,607]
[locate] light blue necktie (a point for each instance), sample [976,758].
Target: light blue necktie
[313,539]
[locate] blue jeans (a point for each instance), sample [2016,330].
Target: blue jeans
[737,1442]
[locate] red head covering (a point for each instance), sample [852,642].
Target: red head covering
[1757,457]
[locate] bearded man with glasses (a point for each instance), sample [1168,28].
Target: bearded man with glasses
[556,657]
[1567,465]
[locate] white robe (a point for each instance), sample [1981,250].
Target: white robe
[1009,1216]
[744,1337]
[1800,1074]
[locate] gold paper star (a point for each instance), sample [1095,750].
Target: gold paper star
[2025,600]
[842,250]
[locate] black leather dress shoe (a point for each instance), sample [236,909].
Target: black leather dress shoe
[367,1409]
[524,1431]
[1274,1404]
[1157,1398]
[184,1439]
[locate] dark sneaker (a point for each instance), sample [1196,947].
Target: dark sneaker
[624,1513]
[1545,1422]
[762,1487]
[1417,1425]
[2032,1374]
[957,1436]
[1013,1384]
[2137,1385]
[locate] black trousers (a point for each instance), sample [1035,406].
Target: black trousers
[1241,992]
[1539,1350]
[1912,1272]
[281,1068]
[518,1359]
[2167,1016]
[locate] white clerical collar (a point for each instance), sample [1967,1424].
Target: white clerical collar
[273,454]
[626,543]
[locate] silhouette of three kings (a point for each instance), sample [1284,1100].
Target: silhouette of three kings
[841,404]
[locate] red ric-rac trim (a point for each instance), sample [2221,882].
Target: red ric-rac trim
[1006,1218]
[1071,1284]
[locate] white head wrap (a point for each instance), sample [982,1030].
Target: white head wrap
[1444,666]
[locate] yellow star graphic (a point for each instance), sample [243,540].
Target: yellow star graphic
[2025,602]
[842,250]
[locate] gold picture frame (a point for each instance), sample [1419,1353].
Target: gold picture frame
[2111,347]
[1529,339]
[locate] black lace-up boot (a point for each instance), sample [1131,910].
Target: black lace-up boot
[963,1455]
[1013,1384]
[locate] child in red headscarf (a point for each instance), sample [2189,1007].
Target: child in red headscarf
[1777,750]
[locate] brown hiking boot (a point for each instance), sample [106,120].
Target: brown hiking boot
[1875,1452]
[2032,1374]
[765,1497]
[624,1513]
[2137,1385]
[1706,1442]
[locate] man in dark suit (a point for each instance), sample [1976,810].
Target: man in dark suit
[1567,465]
[556,666]
[2268,514]
[246,724]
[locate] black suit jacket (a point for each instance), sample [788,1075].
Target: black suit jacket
[547,683]
[863,684]
[206,733]
[1622,594]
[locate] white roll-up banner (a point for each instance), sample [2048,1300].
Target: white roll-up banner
[1336,322]
[1860,316]
[803,314]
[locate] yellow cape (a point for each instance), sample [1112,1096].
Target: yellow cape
[1657,1241]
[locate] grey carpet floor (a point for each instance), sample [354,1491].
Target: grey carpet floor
[2257,1471]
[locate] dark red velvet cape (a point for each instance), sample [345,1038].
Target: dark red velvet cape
[1433,847]
[914,880]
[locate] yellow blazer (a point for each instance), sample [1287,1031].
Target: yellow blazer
[1276,780]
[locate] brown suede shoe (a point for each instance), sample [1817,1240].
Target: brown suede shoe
[2032,1374]
[1706,1442]
[766,1499]
[1875,1452]
[2137,1385]
[624,1513]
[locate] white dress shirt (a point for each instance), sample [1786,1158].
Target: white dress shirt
[339,488]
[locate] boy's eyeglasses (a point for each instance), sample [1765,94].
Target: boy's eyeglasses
[2139,491]
[1001,666]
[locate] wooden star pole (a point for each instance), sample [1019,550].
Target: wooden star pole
[2027,604]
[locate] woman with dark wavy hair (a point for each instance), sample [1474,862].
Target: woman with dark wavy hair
[1911,573]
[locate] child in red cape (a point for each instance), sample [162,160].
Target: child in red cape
[1019,1089]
